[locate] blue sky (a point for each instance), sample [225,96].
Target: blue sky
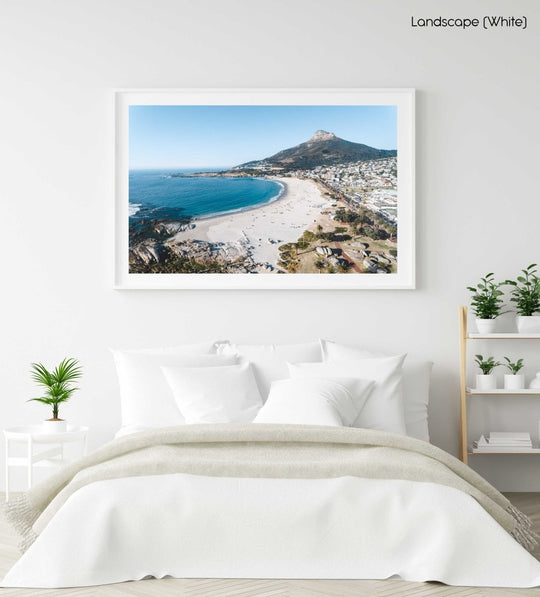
[225,136]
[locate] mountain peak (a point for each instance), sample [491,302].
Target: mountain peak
[323,149]
[321,135]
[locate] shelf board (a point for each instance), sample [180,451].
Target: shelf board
[503,336]
[502,392]
[474,451]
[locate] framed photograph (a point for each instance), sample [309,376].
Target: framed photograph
[265,188]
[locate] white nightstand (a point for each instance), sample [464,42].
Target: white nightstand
[33,435]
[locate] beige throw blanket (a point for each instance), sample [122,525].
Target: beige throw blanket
[277,451]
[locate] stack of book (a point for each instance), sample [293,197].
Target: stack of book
[504,441]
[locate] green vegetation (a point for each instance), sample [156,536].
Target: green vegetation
[368,224]
[58,384]
[486,366]
[345,266]
[289,256]
[336,235]
[486,301]
[513,367]
[526,291]
[320,264]
[347,216]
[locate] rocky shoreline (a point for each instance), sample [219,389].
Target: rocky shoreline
[194,256]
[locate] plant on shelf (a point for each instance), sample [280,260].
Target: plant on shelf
[486,302]
[514,380]
[486,366]
[525,295]
[486,380]
[58,387]
[516,367]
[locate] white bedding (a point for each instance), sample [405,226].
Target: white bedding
[197,526]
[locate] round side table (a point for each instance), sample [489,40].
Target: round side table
[34,437]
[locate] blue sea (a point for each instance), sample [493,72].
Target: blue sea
[165,194]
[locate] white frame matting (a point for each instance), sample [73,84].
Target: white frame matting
[403,99]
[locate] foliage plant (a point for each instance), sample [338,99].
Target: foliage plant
[57,384]
[513,367]
[526,291]
[486,366]
[486,300]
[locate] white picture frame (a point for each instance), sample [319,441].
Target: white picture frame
[403,99]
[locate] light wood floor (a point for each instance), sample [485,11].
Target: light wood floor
[528,502]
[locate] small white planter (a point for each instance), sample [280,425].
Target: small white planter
[486,382]
[486,326]
[528,324]
[54,426]
[514,382]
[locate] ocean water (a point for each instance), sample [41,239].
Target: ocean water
[156,194]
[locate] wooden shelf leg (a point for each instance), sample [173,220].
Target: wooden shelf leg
[463,384]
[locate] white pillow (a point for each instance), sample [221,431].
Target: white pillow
[146,399]
[384,407]
[269,361]
[416,382]
[186,349]
[224,395]
[316,401]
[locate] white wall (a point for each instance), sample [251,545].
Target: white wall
[478,135]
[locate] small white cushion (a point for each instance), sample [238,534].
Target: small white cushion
[269,361]
[224,395]
[416,382]
[316,401]
[145,397]
[384,407]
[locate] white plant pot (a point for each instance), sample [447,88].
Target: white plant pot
[514,382]
[528,324]
[486,326]
[486,382]
[50,426]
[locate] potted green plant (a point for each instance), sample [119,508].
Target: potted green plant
[486,303]
[486,380]
[514,380]
[58,388]
[525,295]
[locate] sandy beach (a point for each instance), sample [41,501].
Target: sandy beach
[265,228]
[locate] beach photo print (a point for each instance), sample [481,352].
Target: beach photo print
[265,189]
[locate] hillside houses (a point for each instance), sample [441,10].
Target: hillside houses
[371,184]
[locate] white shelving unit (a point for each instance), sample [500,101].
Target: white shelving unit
[467,393]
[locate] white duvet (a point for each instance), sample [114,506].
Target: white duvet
[185,526]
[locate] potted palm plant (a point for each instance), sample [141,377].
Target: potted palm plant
[58,388]
[514,380]
[486,380]
[526,296]
[486,303]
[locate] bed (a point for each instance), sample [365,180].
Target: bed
[299,461]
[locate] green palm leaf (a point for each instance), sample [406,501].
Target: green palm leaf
[67,371]
[58,384]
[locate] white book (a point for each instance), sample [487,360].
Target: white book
[510,438]
[509,443]
[509,435]
[504,450]
[482,443]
